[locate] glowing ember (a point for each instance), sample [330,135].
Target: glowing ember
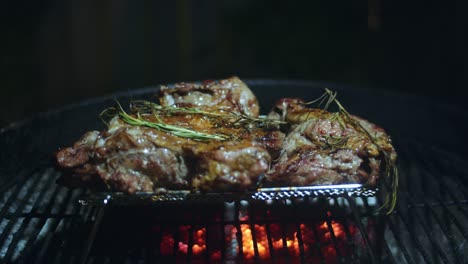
[263,242]
[337,230]
[200,242]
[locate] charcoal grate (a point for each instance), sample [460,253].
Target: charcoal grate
[43,221]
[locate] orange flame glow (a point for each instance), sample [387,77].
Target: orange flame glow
[259,241]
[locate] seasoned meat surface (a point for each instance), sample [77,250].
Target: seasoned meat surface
[229,95]
[134,158]
[125,158]
[131,158]
[327,148]
[231,168]
[209,137]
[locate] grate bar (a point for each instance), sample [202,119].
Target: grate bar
[223,242]
[382,220]
[40,215]
[349,239]
[240,256]
[408,199]
[398,239]
[156,240]
[300,242]
[447,233]
[208,245]
[269,238]
[176,236]
[23,204]
[429,236]
[333,237]
[14,196]
[285,243]
[459,203]
[416,243]
[364,234]
[317,243]
[54,224]
[19,234]
[190,243]
[45,245]
[92,235]
[69,236]
[16,191]
[384,244]
[68,225]
[254,234]
[299,234]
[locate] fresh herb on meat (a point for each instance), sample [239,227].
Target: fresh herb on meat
[391,171]
[142,119]
[221,116]
[131,156]
[332,147]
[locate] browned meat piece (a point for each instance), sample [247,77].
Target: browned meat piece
[143,159]
[133,158]
[326,148]
[229,95]
[230,168]
[124,158]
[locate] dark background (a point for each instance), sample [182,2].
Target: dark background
[56,52]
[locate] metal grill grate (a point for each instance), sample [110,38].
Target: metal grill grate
[41,221]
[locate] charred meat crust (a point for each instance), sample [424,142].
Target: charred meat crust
[314,148]
[322,149]
[233,168]
[230,95]
[141,159]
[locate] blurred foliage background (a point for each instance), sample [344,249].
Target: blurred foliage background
[56,52]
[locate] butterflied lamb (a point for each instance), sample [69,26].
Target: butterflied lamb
[200,137]
[209,137]
[323,147]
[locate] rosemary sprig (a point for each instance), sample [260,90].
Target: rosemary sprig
[228,118]
[326,98]
[179,131]
[344,117]
[336,142]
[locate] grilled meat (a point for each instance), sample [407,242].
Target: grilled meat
[229,95]
[236,167]
[327,148]
[209,137]
[142,159]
